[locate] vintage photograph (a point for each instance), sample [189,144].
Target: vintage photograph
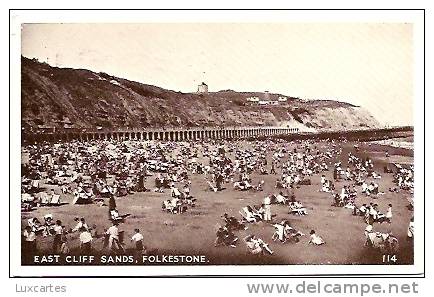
[217,143]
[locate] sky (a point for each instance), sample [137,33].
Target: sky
[366,64]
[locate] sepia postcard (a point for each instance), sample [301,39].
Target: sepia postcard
[217,143]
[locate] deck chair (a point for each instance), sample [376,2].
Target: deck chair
[45,199]
[81,199]
[26,197]
[298,211]
[376,240]
[115,216]
[247,215]
[381,218]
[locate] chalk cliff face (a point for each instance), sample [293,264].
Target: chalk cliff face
[63,97]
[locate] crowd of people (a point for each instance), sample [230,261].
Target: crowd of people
[101,171]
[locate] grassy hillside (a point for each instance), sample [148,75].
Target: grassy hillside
[81,98]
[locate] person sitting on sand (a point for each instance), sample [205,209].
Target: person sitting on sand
[256,245]
[225,237]
[255,213]
[365,188]
[186,190]
[297,208]
[243,185]
[375,175]
[280,183]
[36,226]
[315,239]
[262,170]
[115,216]
[372,214]
[337,201]
[231,223]
[175,191]
[281,199]
[283,232]
[81,223]
[327,187]
[360,211]
[259,211]
[259,187]
[363,209]
[368,230]
[48,225]
[372,189]
[344,193]
[323,179]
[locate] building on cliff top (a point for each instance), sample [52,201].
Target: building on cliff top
[202,88]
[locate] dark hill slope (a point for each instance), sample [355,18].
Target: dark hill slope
[81,98]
